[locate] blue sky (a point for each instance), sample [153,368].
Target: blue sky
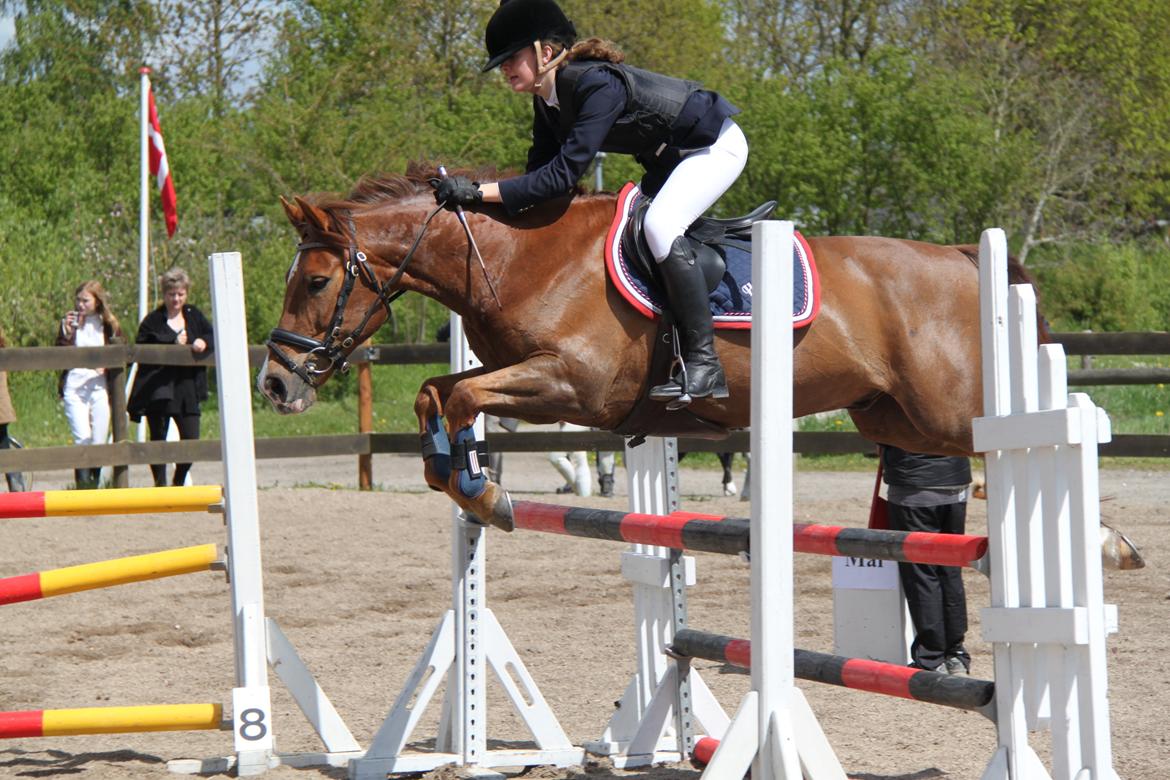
[7,30]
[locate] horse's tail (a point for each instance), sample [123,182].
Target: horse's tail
[1017,274]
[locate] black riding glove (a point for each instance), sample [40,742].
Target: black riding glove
[456,191]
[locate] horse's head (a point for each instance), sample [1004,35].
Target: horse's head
[333,301]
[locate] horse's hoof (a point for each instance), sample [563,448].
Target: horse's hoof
[502,517]
[493,507]
[1118,551]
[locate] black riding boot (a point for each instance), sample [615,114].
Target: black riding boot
[686,292]
[16,483]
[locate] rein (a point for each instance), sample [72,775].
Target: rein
[334,350]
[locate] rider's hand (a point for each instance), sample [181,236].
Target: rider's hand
[457,191]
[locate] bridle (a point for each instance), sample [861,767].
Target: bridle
[334,350]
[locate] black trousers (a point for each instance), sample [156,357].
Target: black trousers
[188,425]
[16,483]
[934,594]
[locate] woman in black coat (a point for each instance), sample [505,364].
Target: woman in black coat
[165,393]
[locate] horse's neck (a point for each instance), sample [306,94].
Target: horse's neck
[519,255]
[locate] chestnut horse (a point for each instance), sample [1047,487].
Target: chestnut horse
[896,342]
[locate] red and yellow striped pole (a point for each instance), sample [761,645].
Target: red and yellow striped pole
[119,571]
[110,720]
[126,501]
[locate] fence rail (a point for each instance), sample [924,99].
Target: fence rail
[366,443]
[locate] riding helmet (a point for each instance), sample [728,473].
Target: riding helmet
[519,23]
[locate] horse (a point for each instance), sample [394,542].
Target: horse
[896,342]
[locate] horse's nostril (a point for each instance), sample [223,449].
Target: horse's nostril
[275,388]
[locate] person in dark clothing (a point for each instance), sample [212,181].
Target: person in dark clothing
[165,393]
[587,100]
[929,493]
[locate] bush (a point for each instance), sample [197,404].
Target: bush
[1105,287]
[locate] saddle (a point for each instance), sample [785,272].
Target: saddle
[704,234]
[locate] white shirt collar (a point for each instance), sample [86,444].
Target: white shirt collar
[552,101]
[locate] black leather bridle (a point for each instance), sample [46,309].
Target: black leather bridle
[330,353]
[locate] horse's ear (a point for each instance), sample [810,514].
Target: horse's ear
[293,212]
[313,215]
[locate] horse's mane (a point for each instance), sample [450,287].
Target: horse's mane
[379,188]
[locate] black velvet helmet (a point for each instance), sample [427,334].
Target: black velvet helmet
[519,23]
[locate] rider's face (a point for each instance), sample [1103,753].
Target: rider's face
[520,70]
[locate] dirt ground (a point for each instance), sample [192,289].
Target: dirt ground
[358,581]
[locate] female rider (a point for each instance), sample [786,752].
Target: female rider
[587,100]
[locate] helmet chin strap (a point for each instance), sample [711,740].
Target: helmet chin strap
[551,65]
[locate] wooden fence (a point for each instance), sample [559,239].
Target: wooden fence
[365,443]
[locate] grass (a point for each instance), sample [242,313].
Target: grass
[41,417]
[1141,409]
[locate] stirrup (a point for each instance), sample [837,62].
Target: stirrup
[675,387]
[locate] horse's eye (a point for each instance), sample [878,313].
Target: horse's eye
[317,283]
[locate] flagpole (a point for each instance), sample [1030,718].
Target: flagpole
[144,195]
[143,215]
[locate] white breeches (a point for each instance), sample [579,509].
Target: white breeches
[693,187]
[87,408]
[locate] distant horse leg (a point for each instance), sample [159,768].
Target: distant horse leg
[725,460]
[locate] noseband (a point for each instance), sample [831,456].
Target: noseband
[334,350]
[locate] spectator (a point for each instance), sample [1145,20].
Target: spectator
[165,393]
[90,323]
[16,483]
[928,493]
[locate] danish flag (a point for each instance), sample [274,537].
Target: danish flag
[159,168]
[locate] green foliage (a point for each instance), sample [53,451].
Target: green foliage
[1105,287]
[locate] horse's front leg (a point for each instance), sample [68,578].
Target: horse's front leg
[428,407]
[537,390]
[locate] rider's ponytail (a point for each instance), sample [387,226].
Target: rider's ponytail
[596,49]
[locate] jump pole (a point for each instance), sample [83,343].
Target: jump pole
[104,574]
[862,674]
[124,501]
[731,535]
[110,720]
